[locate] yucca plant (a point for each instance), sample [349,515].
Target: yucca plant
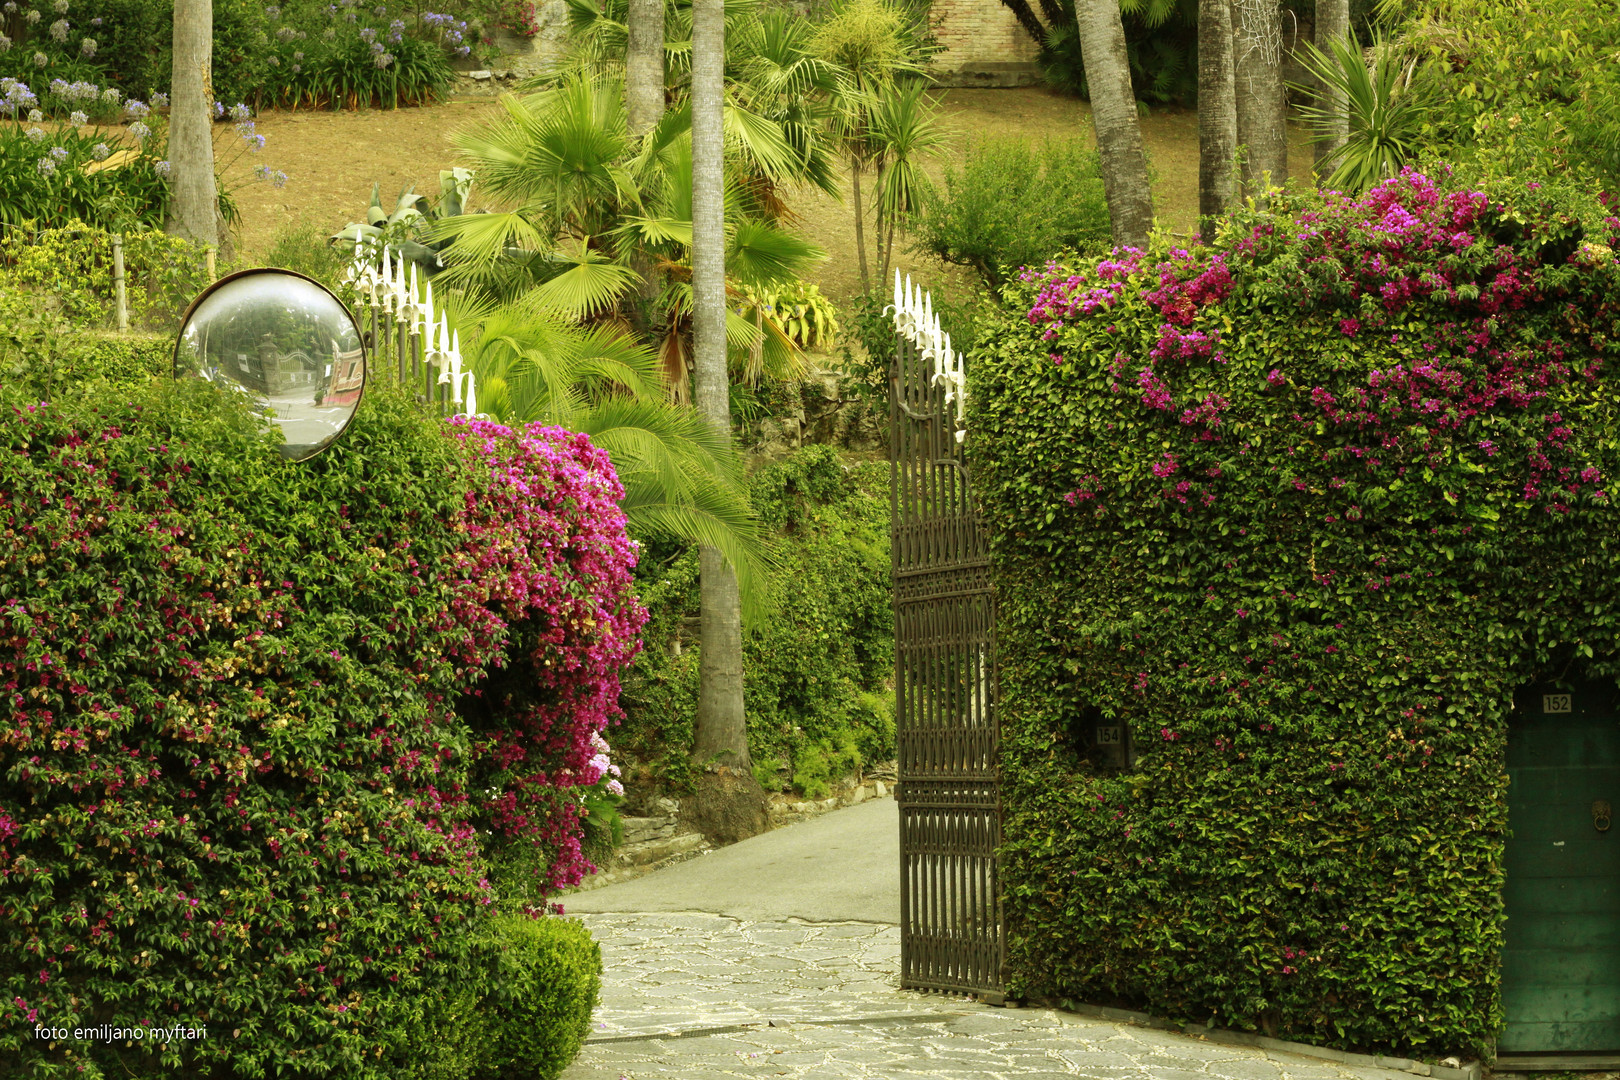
[1387,98]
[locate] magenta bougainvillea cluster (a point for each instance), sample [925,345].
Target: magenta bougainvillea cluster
[265,722]
[1296,510]
[548,575]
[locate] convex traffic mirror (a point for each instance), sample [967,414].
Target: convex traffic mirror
[285,343]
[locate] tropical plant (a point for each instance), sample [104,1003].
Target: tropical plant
[1387,99]
[807,318]
[408,231]
[903,128]
[585,207]
[682,480]
[869,44]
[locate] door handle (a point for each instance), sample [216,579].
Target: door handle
[1600,815]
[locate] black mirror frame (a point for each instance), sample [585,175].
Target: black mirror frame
[365,354]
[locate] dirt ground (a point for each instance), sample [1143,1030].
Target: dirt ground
[332,160]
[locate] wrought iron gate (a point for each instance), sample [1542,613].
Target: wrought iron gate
[951,936]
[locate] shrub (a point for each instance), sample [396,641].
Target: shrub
[47,179]
[269,717]
[1523,97]
[303,248]
[1295,512]
[978,222]
[73,265]
[547,974]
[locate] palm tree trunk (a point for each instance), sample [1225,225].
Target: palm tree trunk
[194,204]
[1217,112]
[1257,64]
[1113,112]
[860,224]
[718,729]
[1332,24]
[644,67]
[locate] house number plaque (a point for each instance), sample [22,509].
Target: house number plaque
[1555,703]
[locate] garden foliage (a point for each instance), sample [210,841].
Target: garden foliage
[815,676]
[268,723]
[344,54]
[73,265]
[1013,205]
[1298,511]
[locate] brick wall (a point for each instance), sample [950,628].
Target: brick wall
[983,45]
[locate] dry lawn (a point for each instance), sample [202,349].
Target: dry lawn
[334,158]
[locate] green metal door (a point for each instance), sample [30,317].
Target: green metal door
[1561,965]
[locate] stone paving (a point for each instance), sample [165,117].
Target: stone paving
[700,997]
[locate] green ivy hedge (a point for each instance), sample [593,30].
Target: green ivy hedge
[1299,512]
[816,674]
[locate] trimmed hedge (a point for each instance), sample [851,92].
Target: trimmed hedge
[816,674]
[545,985]
[267,722]
[1297,512]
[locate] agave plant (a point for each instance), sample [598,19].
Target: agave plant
[407,232]
[1387,98]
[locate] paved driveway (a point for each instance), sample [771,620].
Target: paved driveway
[779,957]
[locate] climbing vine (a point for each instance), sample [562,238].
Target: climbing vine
[1297,511]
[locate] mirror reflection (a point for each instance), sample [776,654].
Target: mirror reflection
[286,343]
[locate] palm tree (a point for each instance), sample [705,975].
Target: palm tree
[904,128]
[590,216]
[1332,24]
[1113,112]
[867,44]
[644,66]
[193,206]
[1257,60]
[1217,112]
[718,729]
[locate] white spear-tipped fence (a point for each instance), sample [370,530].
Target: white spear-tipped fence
[913,314]
[411,338]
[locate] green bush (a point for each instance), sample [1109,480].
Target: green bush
[1295,512]
[72,269]
[815,677]
[544,984]
[1012,205]
[244,772]
[1524,98]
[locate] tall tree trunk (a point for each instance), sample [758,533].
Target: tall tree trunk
[718,730]
[193,202]
[1257,63]
[1217,112]
[644,67]
[1332,24]
[860,224]
[1113,112]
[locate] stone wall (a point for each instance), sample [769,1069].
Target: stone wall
[983,45]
